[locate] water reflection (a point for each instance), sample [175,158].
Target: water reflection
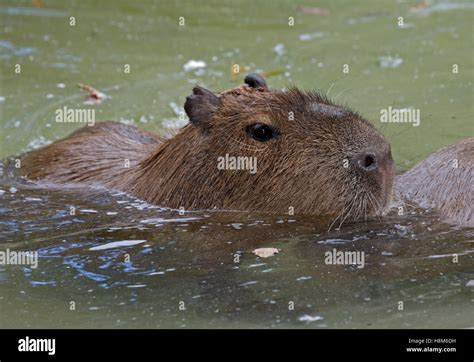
[128,264]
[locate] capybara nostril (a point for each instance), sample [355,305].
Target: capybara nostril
[367,161]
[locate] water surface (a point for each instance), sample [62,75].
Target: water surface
[197,269]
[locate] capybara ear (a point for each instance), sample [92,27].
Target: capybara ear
[200,106]
[255,80]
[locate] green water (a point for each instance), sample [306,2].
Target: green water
[192,260]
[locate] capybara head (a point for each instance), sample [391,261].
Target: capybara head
[276,150]
[283,149]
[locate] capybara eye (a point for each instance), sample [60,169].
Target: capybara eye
[262,132]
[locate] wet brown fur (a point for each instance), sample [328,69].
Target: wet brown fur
[302,168]
[437,183]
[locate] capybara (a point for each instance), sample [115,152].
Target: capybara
[443,181]
[245,149]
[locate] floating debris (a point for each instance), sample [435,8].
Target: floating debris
[248,283]
[279,49]
[236,226]
[334,241]
[117,244]
[390,62]
[310,36]
[194,65]
[95,96]
[266,252]
[157,273]
[309,319]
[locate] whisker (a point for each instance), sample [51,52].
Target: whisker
[349,212]
[340,215]
[375,204]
